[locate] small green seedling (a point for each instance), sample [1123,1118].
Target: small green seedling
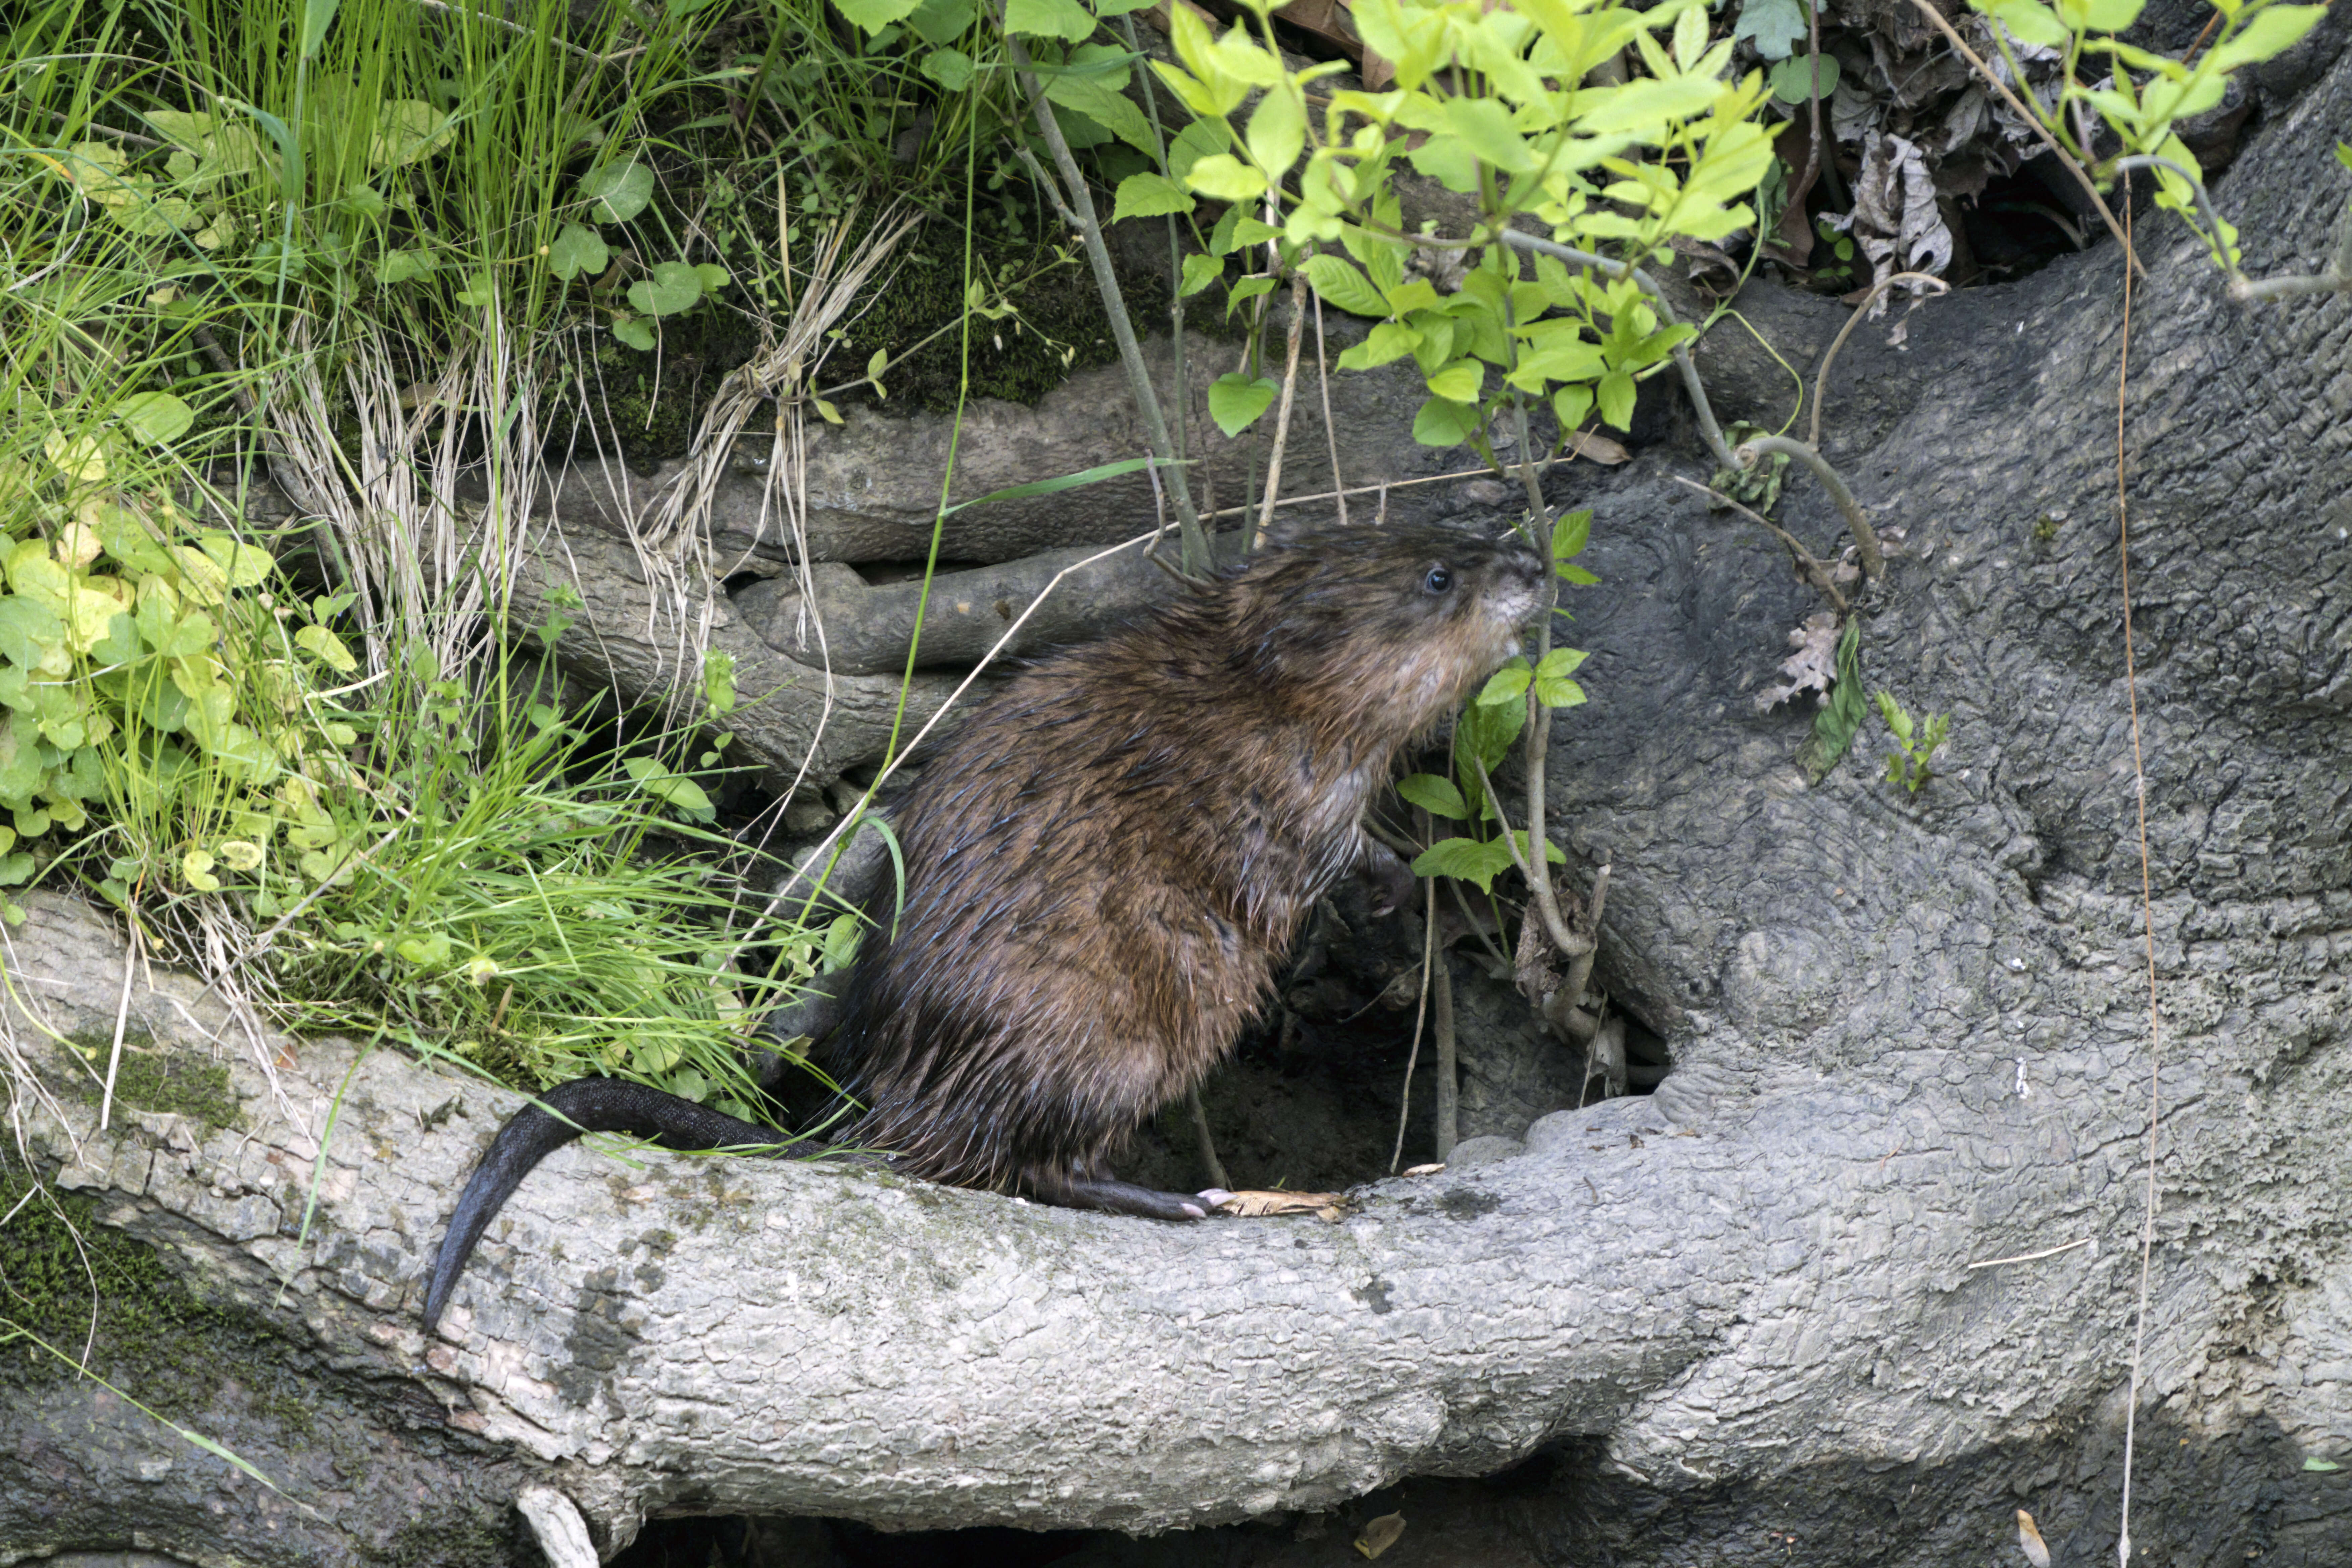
[1916,742]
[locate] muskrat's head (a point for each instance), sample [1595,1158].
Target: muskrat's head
[1397,624]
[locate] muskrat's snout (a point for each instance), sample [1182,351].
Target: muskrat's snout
[1521,585]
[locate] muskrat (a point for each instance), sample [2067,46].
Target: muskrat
[1104,866]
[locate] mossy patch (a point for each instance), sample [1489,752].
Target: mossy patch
[155,1078]
[156,1339]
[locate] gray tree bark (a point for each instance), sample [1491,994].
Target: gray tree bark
[1877,1230]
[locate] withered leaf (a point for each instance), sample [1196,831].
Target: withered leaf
[1264,1206]
[1380,1534]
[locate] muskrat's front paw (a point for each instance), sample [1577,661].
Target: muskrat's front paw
[1389,882]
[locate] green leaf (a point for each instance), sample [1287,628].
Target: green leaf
[1434,796]
[1236,400]
[478,293]
[1616,398]
[2266,34]
[1553,688]
[1775,24]
[156,417]
[1571,533]
[1443,424]
[2344,154]
[1225,178]
[951,69]
[873,16]
[1459,381]
[1278,131]
[1792,79]
[675,789]
[1201,271]
[328,646]
[408,130]
[318,15]
[1836,721]
[1196,141]
[1341,285]
[363,201]
[577,248]
[673,286]
[714,277]
[634,331]
[1466,859]
[1114,111]
[2029,22]
[1485,127]
[616,193]
[425,952]
[400,265]
[1485,731]
[1389,340]
[943,22]
[1149,196]
[2312,1461]
[1505,685]
[1065,19]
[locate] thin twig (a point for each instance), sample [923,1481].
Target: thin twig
[1330,431]
[1421,1009]
[1382,489]
[1563,938]
[122,1017]
[1208,1161]
[1873,561]
[2196,185]
[2035,1257]
[2033,120]
[1815,573]
[1122,331]
[1282,414]
[1449,1083]
[1821,376]
[2148,909]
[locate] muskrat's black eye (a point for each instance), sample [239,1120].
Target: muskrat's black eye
[1438,581]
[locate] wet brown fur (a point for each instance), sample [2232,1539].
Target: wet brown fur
[1107,862]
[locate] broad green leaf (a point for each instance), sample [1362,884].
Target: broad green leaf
[1235,400]
[714,277]
[1277,133]
[1571,533]
[1341,285]
[318,15]
[1200,270]
[407,131]
[632,330]
[1552,686]
[241,565]
[196,869]
[1149,196]
[1466,859]
[673,286]
[1065,19]
[1615,394]
[1389,340]
[873,16]
[2029,22]
[425,952]
[1775,24]
[1460,382]
[942,21]
[1508,684]
[1792,79]
[1194,142]
[1225,178]
[1443,424]
[2269,33]
[1485,127]
[156,417]
[1449,160]
[328,646]
[616,193]
[1434,796]
[951,69]
[400,265]
[577,248]
[1114,111]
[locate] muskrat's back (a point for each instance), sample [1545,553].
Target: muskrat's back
[1104,866]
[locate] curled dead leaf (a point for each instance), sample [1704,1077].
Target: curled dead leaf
[2028,1539]
[1380,1534]
[1263,1205]
[1596,448]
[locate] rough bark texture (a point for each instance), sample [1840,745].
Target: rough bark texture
[1910,1036]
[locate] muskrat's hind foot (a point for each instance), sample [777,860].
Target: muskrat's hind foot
[1071,1191]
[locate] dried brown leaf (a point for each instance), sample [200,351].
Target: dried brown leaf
[1597,448]
[1263,1205]
[1380,1534]
[1812,668]
[1424,1170]
[2029,1539]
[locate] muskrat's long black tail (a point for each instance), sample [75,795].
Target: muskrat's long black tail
[584,1105]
